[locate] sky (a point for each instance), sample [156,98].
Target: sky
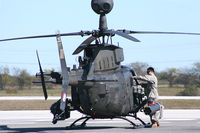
[37,17]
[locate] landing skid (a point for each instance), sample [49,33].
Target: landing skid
[83,124]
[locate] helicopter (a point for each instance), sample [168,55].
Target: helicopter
[101,88]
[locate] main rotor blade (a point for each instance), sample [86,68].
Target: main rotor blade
[65,74]
[42,78]
[157,32]
[82,33]
[123,34]
[84,44]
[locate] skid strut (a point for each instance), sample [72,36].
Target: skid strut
[83,124]
[132,123]
[137,118]
[123,118]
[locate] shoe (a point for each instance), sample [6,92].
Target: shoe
[154,125]
[149,125]
[158,124]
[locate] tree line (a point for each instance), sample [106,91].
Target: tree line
[188,77]
[20,79]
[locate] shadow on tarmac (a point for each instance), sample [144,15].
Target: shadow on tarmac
[21,130]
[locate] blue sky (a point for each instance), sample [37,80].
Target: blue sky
[36,17]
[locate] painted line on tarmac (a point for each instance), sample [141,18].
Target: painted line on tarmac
[29,98]
[179,97]
[58,97]
[179,119]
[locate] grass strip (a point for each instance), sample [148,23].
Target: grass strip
[181,104]
[45,105]
[26,104]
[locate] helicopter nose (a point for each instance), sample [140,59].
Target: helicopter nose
[102,6]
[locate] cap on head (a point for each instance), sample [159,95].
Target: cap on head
[102,6]
[150,69]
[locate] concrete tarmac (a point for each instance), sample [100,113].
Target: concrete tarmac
[174,121]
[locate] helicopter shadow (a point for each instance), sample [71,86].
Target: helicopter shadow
[46,129]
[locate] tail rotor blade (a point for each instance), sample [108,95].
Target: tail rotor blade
[65,74]
[42,78]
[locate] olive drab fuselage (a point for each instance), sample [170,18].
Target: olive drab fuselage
[101,87]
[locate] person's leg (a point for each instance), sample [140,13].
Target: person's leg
[155,119]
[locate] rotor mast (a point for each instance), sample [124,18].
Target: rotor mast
[103,25]
[102,7]
[103,22]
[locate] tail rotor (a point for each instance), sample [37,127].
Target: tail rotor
[41,74]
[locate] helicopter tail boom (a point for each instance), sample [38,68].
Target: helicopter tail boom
[65,74]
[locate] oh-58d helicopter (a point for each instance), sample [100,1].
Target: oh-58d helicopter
[100,87]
